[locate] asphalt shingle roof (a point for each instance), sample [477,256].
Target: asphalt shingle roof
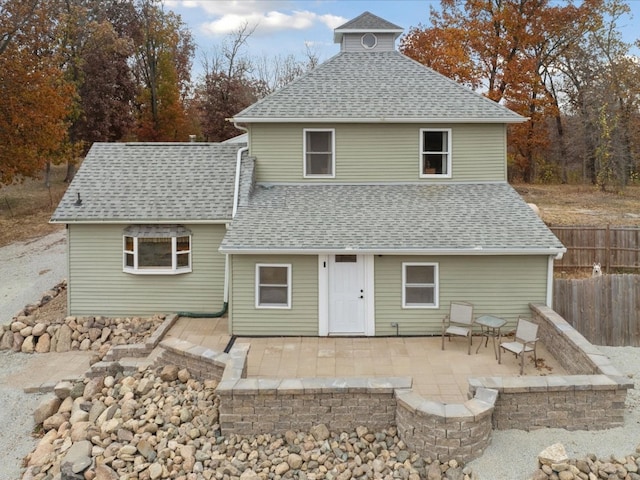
[388,217]
[152,182]
[376,86]
[368,21]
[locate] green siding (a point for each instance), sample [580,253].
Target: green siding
[503,286]
[98,286]
[300,319]
[379,152]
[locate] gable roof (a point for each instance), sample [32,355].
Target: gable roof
[444,219]
[152,182]
[366,22]
[371,87]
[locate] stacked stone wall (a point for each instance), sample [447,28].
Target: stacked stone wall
[592,397]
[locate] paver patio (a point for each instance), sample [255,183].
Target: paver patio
[437,374]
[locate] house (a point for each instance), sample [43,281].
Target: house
[371,192]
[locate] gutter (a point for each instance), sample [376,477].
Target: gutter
[556,252]
[378,120]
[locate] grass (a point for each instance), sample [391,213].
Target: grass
[584,204]
[25,208]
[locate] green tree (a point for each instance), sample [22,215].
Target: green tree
[162,62]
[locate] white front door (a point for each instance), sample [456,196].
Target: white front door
[346,295]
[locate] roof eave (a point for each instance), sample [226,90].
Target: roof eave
[378,120]
[129,221]
[395,251]
[338,33]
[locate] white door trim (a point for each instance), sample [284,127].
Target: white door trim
[323,295]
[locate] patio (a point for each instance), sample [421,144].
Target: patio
[437,374]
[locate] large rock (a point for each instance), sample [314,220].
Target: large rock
[48,406]
[6,340]
[78,456]
[169,373]
[320,432]
[44,343]
[104,472]
[28,346]
[55,421]
[39,329]
[63,389]
[553,455]
[63,343]
[17,341]
[42,455]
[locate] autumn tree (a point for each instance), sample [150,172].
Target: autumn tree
[163,54]
[507,50]
[35,99]
[95,61]
[600,81]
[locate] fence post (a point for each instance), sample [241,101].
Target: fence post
[607,248]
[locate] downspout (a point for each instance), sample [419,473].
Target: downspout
[236,197]
[550,281]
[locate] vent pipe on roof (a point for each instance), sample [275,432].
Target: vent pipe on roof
[192,138]
[78,202]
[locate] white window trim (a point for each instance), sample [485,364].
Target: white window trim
[174,270]
[436,284]
[375,43]
[448,152]
[333,152]
[289,286]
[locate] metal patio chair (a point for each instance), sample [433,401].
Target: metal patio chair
[524,342]
[459,322]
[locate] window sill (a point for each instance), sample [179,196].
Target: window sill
[156,271]
[416,307]
[273,307]
[434,175]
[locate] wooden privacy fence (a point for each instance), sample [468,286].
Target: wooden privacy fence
[606,309]
[616,248]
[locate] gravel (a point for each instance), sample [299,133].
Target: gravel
[513,454]
[16,417]
[29,268]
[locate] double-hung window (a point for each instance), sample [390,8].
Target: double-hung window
[435,153]
[273,285]
[419,285]
[319,152]
[156,249]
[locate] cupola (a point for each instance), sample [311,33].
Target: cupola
[367,33]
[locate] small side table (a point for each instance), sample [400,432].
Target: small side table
[490,327]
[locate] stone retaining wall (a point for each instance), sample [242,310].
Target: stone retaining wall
[204,363]
[251,406]
[257,405]
[592,398]
[446,431]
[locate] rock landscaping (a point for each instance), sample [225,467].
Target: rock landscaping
[28,334]
[554,465]
[164,424]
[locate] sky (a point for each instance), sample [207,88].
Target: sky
[285,27]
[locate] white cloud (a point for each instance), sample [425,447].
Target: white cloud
[268,16]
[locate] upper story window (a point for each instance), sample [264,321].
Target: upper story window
[435,152]
[319,152]
[369,40]
[156,249]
